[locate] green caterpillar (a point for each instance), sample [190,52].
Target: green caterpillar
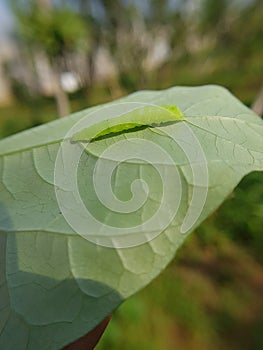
[149,116]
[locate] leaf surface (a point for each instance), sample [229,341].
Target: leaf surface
[60,275]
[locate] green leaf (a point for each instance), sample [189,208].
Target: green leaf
[79,233]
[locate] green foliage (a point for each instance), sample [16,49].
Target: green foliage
[241,218]
[212,13]
[57,30]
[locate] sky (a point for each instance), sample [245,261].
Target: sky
[6,19]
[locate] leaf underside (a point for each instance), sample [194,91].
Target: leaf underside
[55,285]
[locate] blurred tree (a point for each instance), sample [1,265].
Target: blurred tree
[159,11]
[212,14]
[172,21]
[249,43]
[124,32]
[56,31]
[92,40]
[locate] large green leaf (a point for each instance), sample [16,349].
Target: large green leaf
[79,234]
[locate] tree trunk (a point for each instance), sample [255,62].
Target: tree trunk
[45,5]
[257,106]
[62,100]
[61,97]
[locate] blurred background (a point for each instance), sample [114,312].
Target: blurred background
[58,57]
